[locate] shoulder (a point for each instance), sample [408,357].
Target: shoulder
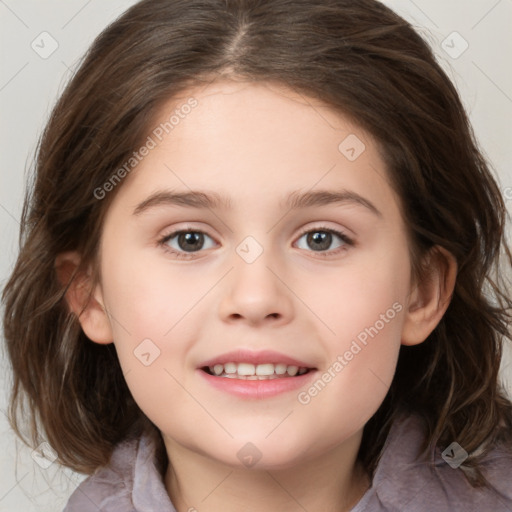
[402,481]
[109,485]
[130,482]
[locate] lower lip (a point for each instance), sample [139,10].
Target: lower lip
[257,388]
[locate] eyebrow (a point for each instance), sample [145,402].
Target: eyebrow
[294,201]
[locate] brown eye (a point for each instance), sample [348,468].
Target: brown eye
[322,239]
[187,241]
[190,241]
[319,240]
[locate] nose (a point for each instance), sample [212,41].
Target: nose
[256,293]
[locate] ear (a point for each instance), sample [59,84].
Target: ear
[86,303]
[430,296]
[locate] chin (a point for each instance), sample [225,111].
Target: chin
[262,454]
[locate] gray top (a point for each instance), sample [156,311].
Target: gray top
[132,483]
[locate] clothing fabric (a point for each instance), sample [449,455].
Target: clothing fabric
[132,483]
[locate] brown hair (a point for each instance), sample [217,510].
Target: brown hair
[361,59]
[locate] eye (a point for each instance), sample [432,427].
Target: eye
[321,239]
[185,241]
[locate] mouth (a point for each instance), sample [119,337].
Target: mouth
[256,375]
[249,371]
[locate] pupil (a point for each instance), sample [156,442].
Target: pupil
[192,239]
[321,239]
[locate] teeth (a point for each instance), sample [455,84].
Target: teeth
[248,371]
[229,367]
[265,369]
[245,369]
[280,369]
[292,370]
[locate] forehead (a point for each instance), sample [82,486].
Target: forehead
[265,109]
[255,140]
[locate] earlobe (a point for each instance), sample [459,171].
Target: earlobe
[430,297]
[84,298]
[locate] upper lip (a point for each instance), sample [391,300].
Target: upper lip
[255,357]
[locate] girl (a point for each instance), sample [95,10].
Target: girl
[261,270]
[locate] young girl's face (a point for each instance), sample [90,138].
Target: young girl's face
[264,271]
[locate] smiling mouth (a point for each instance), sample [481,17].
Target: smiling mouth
[248,371]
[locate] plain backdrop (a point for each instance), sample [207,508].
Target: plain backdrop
[471,39]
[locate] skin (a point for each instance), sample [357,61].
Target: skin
[256,143]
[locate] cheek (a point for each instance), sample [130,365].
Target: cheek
[364,291]
[360,368]
[153,317]
[146,299]
[364,311]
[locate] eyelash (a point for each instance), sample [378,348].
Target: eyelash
[188,256]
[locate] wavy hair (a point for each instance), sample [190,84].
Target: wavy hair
[362,60]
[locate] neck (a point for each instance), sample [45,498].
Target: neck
[332,482]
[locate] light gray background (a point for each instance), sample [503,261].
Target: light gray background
[30,85]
